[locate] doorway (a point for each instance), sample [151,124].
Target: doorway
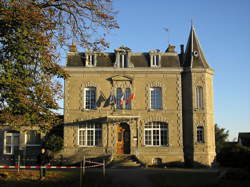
[123,139]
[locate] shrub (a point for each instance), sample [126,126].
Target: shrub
[236,156]
[53,143]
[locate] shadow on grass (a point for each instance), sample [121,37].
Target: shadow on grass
[54,179]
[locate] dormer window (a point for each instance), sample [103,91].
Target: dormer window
[123,61]
[155,58]
[155,62]
[122,57]
[90,60]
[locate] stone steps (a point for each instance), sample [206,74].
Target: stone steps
[125,161]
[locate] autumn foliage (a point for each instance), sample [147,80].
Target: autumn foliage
[30,33]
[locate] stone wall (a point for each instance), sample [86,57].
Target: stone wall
[140,81]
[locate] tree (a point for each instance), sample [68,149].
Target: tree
[30,33]
[221,136]
[53,143]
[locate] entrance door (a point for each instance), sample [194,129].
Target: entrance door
[123,139]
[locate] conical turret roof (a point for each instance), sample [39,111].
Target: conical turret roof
[194,56]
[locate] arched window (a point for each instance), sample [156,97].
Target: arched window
[199,97]
[156,134]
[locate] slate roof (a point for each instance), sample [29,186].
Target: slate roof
[194,55]
[137,59]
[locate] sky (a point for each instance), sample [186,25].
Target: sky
[223,29]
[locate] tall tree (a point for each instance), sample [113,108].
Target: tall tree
[30,32]
[221,136]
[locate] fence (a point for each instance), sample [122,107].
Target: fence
[82,166]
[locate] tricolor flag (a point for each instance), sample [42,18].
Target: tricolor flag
[112,100]
[101,99]
[131,97]
[122,99]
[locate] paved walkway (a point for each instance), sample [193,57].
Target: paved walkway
[129,178]
[173,177]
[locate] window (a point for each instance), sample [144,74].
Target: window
[124,99]
[127,95]
[33,138]
[11,143]
[156,134]
[155,61]
[123,61]
[200,134]
[91,61]
[119,97]
[199,97]
[90,98]
[155,98]
[90,135]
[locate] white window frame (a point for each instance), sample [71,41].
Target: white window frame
[200,128]
[159,129]
[199,97]
[155,60]
[123,60]
[150,98]
[91,60]
[12,145]
[85,129]
[34,145]
[84,98]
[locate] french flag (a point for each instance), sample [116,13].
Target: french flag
[131,97]
[122,99]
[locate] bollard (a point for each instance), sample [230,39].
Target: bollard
[18,163]
[103,168]
[84,164]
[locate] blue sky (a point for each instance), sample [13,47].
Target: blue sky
[223,28]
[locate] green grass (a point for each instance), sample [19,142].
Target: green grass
[30,178]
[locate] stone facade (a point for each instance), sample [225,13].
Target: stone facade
[178,118]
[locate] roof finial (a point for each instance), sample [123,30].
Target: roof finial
[192,23]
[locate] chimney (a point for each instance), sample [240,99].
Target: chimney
[170,49]
[72,47]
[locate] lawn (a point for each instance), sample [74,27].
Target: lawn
[54,178]
[178,177]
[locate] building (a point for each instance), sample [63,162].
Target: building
[151,105]
[244,139]
[25,142]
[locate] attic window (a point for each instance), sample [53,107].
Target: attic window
[155,60]
[91,60]
[123,61]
